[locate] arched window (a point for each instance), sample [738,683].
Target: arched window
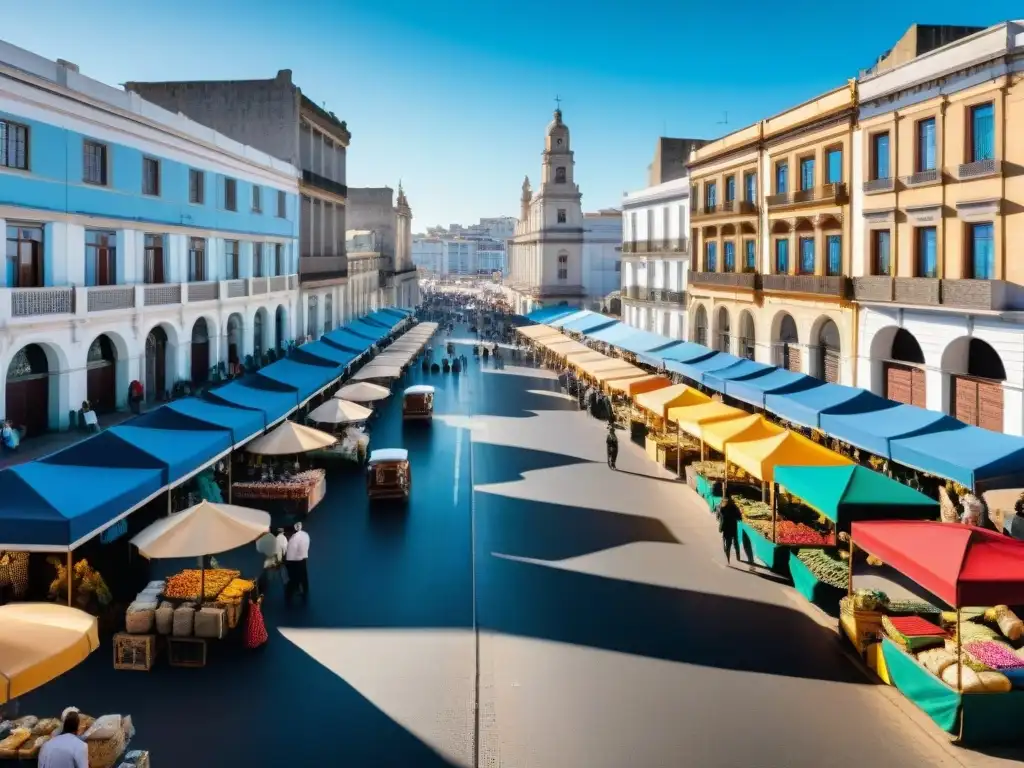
[724,336]
[257,336]
[560,175]
[829,353]
[311,317]
[563,266]
[747,340]
[787,349]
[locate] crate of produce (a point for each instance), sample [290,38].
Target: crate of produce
[134,652]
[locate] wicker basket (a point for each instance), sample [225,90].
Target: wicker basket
[232,613]
[135,652]
[104,754]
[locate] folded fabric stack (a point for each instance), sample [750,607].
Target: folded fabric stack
[912,633]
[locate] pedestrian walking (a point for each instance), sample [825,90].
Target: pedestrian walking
[728,525]
[295,561]
[612,445]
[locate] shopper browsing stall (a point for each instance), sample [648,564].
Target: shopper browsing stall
[66,750]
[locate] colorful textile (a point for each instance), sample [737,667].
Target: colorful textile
[912,632]
[255,630]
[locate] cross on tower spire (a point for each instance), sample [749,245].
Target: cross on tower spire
[558,102]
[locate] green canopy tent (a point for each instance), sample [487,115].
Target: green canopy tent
[852,492]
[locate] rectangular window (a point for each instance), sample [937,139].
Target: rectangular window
[711,194]
[981,241]
[196,259]
[24,256]
[231,259]
[833,255]
[257,199]
[806,173]
[94,163]
[880,156]
[282,207]
[13,145]
[230,194]
[561,215]
[749,256]
[983,132]
[196,186]
[730,188]
[150,176]
[278,259]
[750,186]
[806,256]
[880,252]
[711,256]
[927,252]
[781,178]
[153,259]
[834,166]
[100,257]
[257,259]
[729,252]
[782,256]
[926,145]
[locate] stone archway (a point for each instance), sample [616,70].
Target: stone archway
[787,343]
[700,325]
[101,375]
[200,351]
[976,376]
[747,338]
[828,353]
[31,376]
[157,385]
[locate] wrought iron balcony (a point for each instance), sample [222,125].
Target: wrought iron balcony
[322,182]
[979,169]
[829,193]
[728,208]
[749,281]
[984,295]
[874,186]
[819,285]
[921,178]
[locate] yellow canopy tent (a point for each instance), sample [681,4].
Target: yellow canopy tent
[536,332]
[563,346]
[679,396]
[622,371]
[720,434]
[788,449]
[593,367]
[692,418]
[634,387]
[580,357]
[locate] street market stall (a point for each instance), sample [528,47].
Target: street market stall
[281,490]
[704,475]
[363,392]
[966,674]
[373,372]
[418,403]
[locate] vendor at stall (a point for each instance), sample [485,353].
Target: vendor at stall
[66,750]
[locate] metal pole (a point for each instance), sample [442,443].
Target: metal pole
[959,657]
[849,576]
[230,472]
[71,578]
[679,452]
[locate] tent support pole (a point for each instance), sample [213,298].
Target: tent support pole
[231,457]
[679,453]
[775,497]
[849,575]
[959,655]
[71,577]
[168,502]
[725,483]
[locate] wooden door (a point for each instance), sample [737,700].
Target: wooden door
[104,267]
[28,404]
[978,402]
[791,358]
[200,361]
[29,272]
[830,365]
[905,384]
[100,388]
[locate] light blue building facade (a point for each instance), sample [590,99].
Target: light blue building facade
[139,245]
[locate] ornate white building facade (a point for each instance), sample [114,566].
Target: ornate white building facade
[546,259]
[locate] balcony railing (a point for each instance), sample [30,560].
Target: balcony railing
[323,268]
[278,283]
[106,298]
[873,186]
[236,289]
[729,207]
[203,291]
[32,302]
[744,280]
[984,295]
[829,193]
[978,169]
[665,245]
[556,290]
[258,286]
[631,292]
[921,178]
[159,295]
[322,182]
[815,284]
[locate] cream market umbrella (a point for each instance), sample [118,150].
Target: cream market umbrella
[378,372]
[362,392]
[40,642]
[205,529]
[336,411]
[290,438]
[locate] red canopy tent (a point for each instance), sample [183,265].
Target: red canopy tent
[961,564]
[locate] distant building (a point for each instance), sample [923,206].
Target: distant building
[463,251]
[602,251]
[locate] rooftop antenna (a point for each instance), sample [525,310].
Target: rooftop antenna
[724,120]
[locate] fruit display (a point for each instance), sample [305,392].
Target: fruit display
[763,527]
[710,470]
[235,591]
[825,567]
[752,509]
[797,534]
[912,606]
[186,585]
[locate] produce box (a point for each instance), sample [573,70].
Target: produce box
[773,557]
[816,591]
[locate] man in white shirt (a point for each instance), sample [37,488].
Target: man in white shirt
[65,750]
[295,558]
[282,544]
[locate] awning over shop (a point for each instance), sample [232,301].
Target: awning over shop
[743,370]
[875,430]
[612,334]
[576,314]
[852,492]
[631,339]
[806,406]
[301,355]
[687,352]
[961,564]
[383,319]
[343,339]
[698,370]
[402,314]
[589,321]
[975,457]
[636,387]
[680,396]
[305,379]
[760,457]
[545,314]
[720,434]
[691,419]
[623,371]
[107,449]
[54,507]
[563,345]
[328,353]
[181,451]
[273,403]
[581,356]
[538,331]
[754,391]
[371,332]
[243,423]
[593,367]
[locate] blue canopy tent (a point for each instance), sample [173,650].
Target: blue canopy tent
[402,314]
[243,423]
[301,355]
[328,353]
[371,332]
[687,352]
[977,458]
[806,406]
[384,319]
[592,321]
[576,314]
[875,430]
[107,449]
[274,401]
[744,370]
[697,370]
[755,390]
[50,508]
[181,451]
[545,314]
[343,339]
[641,341]
[305,379]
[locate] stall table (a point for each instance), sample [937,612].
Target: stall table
[299,494]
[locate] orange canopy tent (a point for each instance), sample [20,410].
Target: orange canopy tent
[679,396]
[720,434]
[643,384]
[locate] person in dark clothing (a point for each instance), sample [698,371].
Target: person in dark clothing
[612,444]
[728,523]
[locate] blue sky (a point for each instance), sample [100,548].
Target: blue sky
[452,96]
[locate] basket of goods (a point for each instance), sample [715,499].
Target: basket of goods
[794,534]
[826,568]
[13,742]
[14,572]
[164,618]
[912,633]
[754,510]
[30,749]
[106,740]
[232,600]
[210,623]
[186,585]
[139,618]
[710,470]
[912,606]
[936,660]
[861,617]
[184,621]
